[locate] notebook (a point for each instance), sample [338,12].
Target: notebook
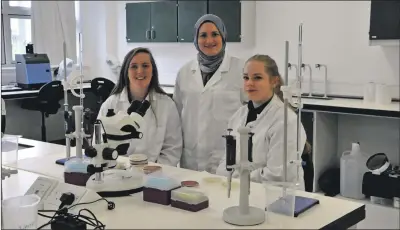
[283,206]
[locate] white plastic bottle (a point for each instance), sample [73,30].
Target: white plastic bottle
[352,169]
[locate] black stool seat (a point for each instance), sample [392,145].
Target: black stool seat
[102,88]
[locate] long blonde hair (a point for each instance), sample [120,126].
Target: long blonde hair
[271,68]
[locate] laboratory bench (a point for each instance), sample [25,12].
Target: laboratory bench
[352,106]
[18,93]
[39,160]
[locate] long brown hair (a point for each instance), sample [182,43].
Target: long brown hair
[271,68]
[123,81]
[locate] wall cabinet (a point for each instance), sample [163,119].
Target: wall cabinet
[188,14]
[151,22]
[173,21]
[384,20]
[230,13]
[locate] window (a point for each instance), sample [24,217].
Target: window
[16,29]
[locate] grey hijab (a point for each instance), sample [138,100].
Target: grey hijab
[209,64]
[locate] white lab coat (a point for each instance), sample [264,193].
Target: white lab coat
[162,138]
[205,110]
[3,107]
[268,142]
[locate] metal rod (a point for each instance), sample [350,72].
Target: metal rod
[299,77]
[285,114]
[326,82]
[98,140]
[66,109]
[310,83]
[97,133]
[78,133]
[81,78]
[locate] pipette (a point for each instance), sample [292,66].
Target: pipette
[250,152]
[230,157]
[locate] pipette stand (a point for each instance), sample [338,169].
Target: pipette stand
[79,133]
[244,215]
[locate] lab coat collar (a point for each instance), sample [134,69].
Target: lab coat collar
[124,96]
[217,76]
[275,99]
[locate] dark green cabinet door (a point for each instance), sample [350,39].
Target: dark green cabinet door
[138,22]
[230,13]
[163,21]
[188,14]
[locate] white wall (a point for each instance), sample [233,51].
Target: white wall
[334,33]
[94,29]
[171,56]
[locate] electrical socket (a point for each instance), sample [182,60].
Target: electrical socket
[41,187]
[54,197]
[50,191]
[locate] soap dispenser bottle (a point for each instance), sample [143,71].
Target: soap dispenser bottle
[352,169]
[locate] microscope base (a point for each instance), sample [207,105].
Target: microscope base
[116,183]
[233,216]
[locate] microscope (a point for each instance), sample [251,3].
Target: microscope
[242,215]
[112,136]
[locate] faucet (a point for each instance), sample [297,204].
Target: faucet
[326,77]
[298,80]
[310,83]
[290,67]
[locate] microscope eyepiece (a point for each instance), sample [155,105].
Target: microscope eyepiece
[110,113]
[135,105]
[143,108]
[139,107]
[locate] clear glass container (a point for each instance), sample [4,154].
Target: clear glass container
[9,149]
[161,182]
[280,202]
[189,196]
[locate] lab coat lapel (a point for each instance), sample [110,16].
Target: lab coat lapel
[196,74]
[224,67]
[262,114]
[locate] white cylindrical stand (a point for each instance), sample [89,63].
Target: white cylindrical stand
[244,215]
[78,130]
[244,173]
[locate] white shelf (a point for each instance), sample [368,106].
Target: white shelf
[365,201]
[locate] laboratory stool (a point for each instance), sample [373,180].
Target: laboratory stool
[47,102]
[101,88]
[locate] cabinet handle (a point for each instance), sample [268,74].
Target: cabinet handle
[153,34]
[147,34]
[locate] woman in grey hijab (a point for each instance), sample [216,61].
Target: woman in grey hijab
[208,91]
[210,61]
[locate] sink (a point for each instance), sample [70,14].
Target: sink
[317,97]
[321,97]
[23,146]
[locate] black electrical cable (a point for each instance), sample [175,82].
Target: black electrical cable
[111,204]
[51,219]
[87,220]
[82,218]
